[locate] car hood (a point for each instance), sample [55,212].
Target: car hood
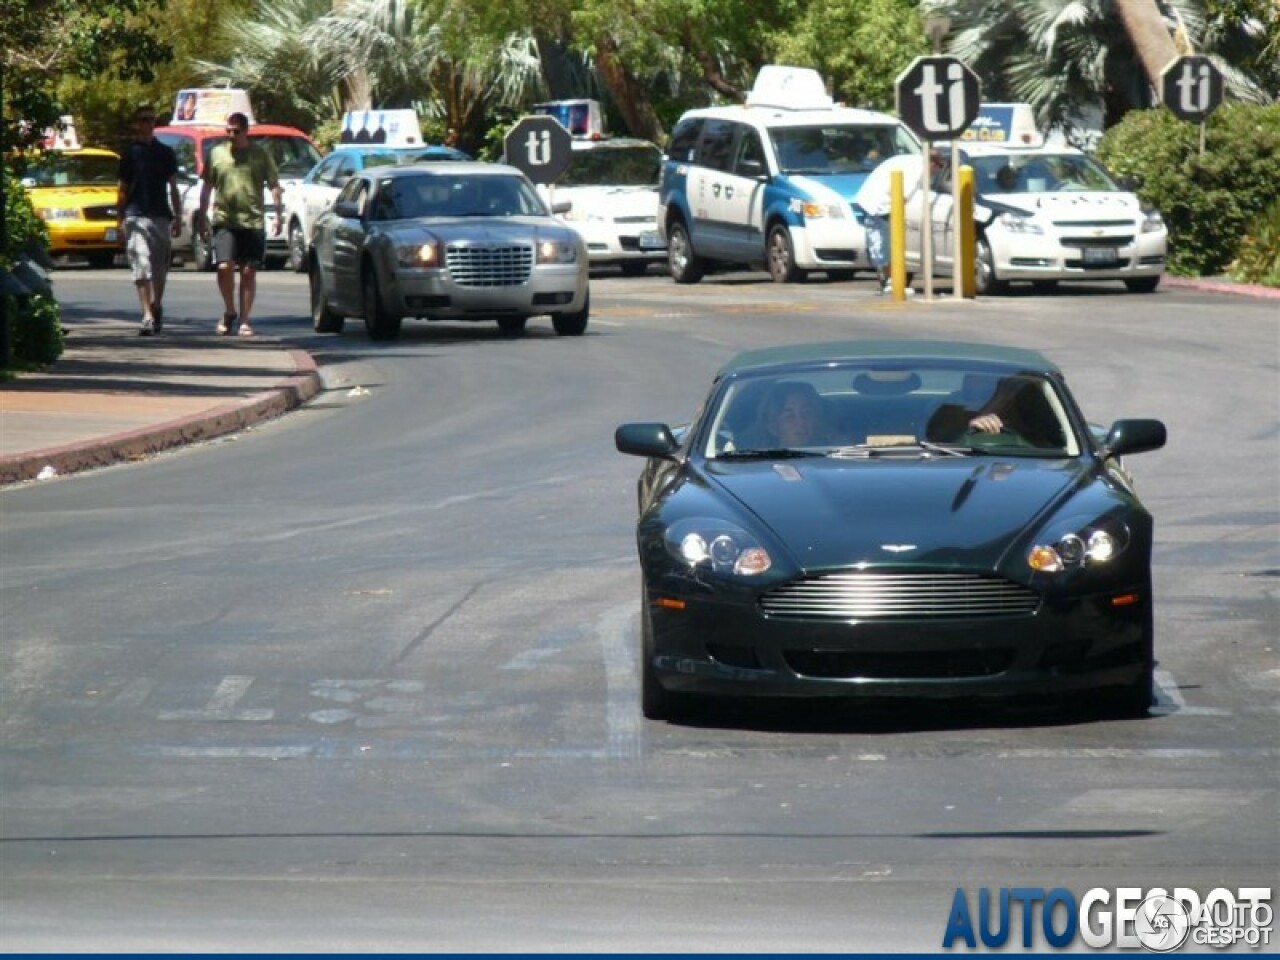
[830,186]
[482,229]
[834,513]
[1068,205]
[72,195]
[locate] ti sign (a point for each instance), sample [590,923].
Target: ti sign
[540,147]
[1192,88]
[938,97]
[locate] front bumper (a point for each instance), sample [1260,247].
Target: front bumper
[84,236]
[615,242]
[434,294]
[1020,256]
[1066,645]
[829,243]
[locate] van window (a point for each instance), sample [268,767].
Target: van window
[750,156]
[837,148]
[716,148]
[684,140]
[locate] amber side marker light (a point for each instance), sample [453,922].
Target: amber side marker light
[1125,600]
[669,603]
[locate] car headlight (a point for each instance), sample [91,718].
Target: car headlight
[1082,545]
[812,210]
[58,213]
[717,545]
[557,251]
[419,256]
[1018,223]
[1152,222]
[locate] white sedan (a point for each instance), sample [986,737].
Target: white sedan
[1043,214]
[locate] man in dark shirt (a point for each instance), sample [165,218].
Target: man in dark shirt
[148,209]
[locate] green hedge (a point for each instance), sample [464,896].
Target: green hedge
[34,324]
[1210,202]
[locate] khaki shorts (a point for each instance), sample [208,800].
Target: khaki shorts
[149,246]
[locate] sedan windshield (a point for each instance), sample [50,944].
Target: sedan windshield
[895,408]
[1040,173]
[70,169]
[627,166]
[471,195]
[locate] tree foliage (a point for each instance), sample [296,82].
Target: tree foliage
[44,41]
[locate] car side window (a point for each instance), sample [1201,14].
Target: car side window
[684,141]
[750,155]
[715,149]
[324,173]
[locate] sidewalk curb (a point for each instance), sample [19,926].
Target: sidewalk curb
[1219,286]
[286,395]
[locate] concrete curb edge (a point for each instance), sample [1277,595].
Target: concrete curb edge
[288,394]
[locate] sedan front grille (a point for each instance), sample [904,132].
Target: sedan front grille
[100,213]
[860,595]
[489,266]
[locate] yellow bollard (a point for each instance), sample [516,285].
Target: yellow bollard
[897,237]
[965,257]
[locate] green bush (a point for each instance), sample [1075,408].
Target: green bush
[1258,260]
[1209,202]
[33,324]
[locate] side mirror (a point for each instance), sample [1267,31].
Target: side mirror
[1134,436]
[562,206]
[347,210]
[752,169]
[646,440]
[1132,182]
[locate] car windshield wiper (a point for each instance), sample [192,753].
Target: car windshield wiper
[865,451]
[774,453]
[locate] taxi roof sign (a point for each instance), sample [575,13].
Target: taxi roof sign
[390,128]
[209,107]
[582,118]
[791,88]
[1010,124]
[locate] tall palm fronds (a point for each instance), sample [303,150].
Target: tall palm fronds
[288,80]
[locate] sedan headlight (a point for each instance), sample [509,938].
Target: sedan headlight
[557,251]
[1152,222]
[58,213]
[1084,545]
[716,545]
[419,256]
[1019,223]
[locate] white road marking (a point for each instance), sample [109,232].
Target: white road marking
[221,705]
[622,696]
[1169,700]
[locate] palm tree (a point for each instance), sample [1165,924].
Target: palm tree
[1065,56]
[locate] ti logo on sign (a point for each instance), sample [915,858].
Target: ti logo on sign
[538,145]
[1195,87]
[932,93]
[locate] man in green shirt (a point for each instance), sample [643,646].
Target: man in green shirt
[238,170]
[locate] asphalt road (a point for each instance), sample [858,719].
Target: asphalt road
[364,678]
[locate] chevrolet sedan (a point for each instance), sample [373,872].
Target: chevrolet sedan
[456,241]
[904,519]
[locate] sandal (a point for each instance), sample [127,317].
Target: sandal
[246,330]
[225,324]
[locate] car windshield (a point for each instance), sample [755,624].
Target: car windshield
[71,169]
[472,195]
[1040,173]
[925,408]
[294,156]
[626,166]
[837,148]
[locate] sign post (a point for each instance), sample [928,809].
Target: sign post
[937,98]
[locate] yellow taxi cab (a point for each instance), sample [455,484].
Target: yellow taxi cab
[74,193]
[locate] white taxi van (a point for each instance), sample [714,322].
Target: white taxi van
[772,182]
[1043,214]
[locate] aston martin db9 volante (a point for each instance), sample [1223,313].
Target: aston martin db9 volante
[456,241]
[908,519]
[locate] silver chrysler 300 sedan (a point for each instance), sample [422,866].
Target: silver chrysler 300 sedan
[458,241]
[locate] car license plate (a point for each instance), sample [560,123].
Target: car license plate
[110,235]
[1101,255]
[650,240]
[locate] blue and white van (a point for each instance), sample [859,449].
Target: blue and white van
[772,183]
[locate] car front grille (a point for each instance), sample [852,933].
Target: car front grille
[907,595]
[100,213]
[489,266]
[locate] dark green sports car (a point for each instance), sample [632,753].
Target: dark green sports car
[905,518]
